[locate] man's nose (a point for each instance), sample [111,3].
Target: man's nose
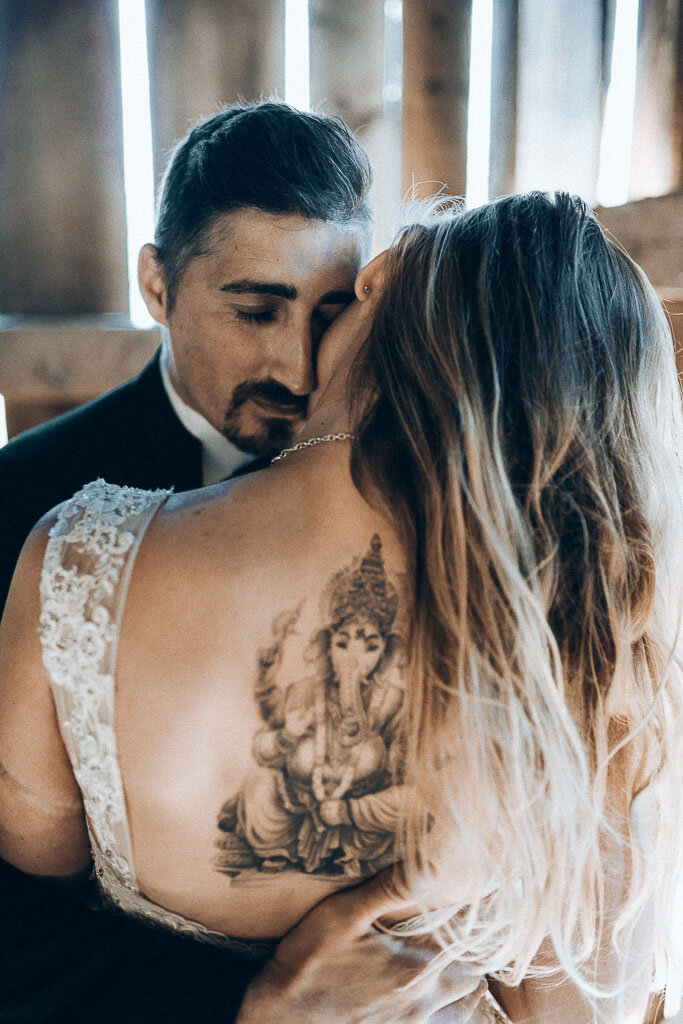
[294,363]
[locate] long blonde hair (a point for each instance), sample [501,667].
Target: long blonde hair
[524,442]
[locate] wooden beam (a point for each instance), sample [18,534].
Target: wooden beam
[653,171]
[22,415]
[347,45]
[346,66]
[62,222]
[208,53]
[677,127]
[66,362]
[436,53]
[650,231]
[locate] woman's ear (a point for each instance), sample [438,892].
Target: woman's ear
[151,281]
[371,277]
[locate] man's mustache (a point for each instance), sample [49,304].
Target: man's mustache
[268,391]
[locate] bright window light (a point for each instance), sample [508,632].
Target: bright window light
[3,422]
[297,70]
[479,105]
[393,51]
[393,10]
[138,168]
[617,130]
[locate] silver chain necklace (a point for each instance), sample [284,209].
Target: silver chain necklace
[309,444]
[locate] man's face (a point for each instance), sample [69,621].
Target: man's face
[248,318]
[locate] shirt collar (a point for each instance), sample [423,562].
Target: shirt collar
[220,457]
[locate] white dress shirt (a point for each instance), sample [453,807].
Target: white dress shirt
[220,457]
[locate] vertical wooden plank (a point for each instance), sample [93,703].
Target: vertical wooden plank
[653,161]
[347,65]
[389,191]
[436,53]
[559,95]
[677,126]
[208,53]
[503,97]
[62,224]
[347,60]
[62,220]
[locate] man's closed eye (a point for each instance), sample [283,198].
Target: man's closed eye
[264,316]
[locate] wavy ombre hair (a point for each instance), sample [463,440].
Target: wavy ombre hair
[523,436]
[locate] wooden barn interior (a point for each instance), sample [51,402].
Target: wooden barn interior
[401,74]
[478,97]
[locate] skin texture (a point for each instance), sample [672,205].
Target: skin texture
[248,317]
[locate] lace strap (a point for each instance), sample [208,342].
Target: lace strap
[88,560]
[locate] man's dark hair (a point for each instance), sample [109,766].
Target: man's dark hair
[265,155]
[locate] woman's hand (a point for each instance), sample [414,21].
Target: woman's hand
[334,967]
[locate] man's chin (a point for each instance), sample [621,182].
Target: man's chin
[265,438]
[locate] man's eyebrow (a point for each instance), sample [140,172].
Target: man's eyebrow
[246,287]
[284,291]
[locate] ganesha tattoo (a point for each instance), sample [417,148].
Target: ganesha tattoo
[325,795]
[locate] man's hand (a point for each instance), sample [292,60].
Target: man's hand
[333,968]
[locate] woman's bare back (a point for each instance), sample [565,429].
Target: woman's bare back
[259,696]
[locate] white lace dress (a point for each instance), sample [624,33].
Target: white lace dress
[88,562]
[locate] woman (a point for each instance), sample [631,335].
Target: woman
[496,565]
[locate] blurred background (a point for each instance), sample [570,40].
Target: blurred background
[483,97]
[480,97]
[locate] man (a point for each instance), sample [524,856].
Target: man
[263,224]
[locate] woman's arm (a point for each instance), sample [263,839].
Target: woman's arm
[42,822]
[557,1000]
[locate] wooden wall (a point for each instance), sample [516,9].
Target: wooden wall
[64,331]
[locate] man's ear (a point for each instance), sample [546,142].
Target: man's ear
[151,281]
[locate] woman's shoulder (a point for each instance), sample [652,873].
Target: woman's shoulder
[236,560]
[291,514]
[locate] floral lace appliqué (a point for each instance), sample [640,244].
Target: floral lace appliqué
[88,561]
[82,587]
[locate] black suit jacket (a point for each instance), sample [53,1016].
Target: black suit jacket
[130,436]
[61,963]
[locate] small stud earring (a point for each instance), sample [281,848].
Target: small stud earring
[366,288]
